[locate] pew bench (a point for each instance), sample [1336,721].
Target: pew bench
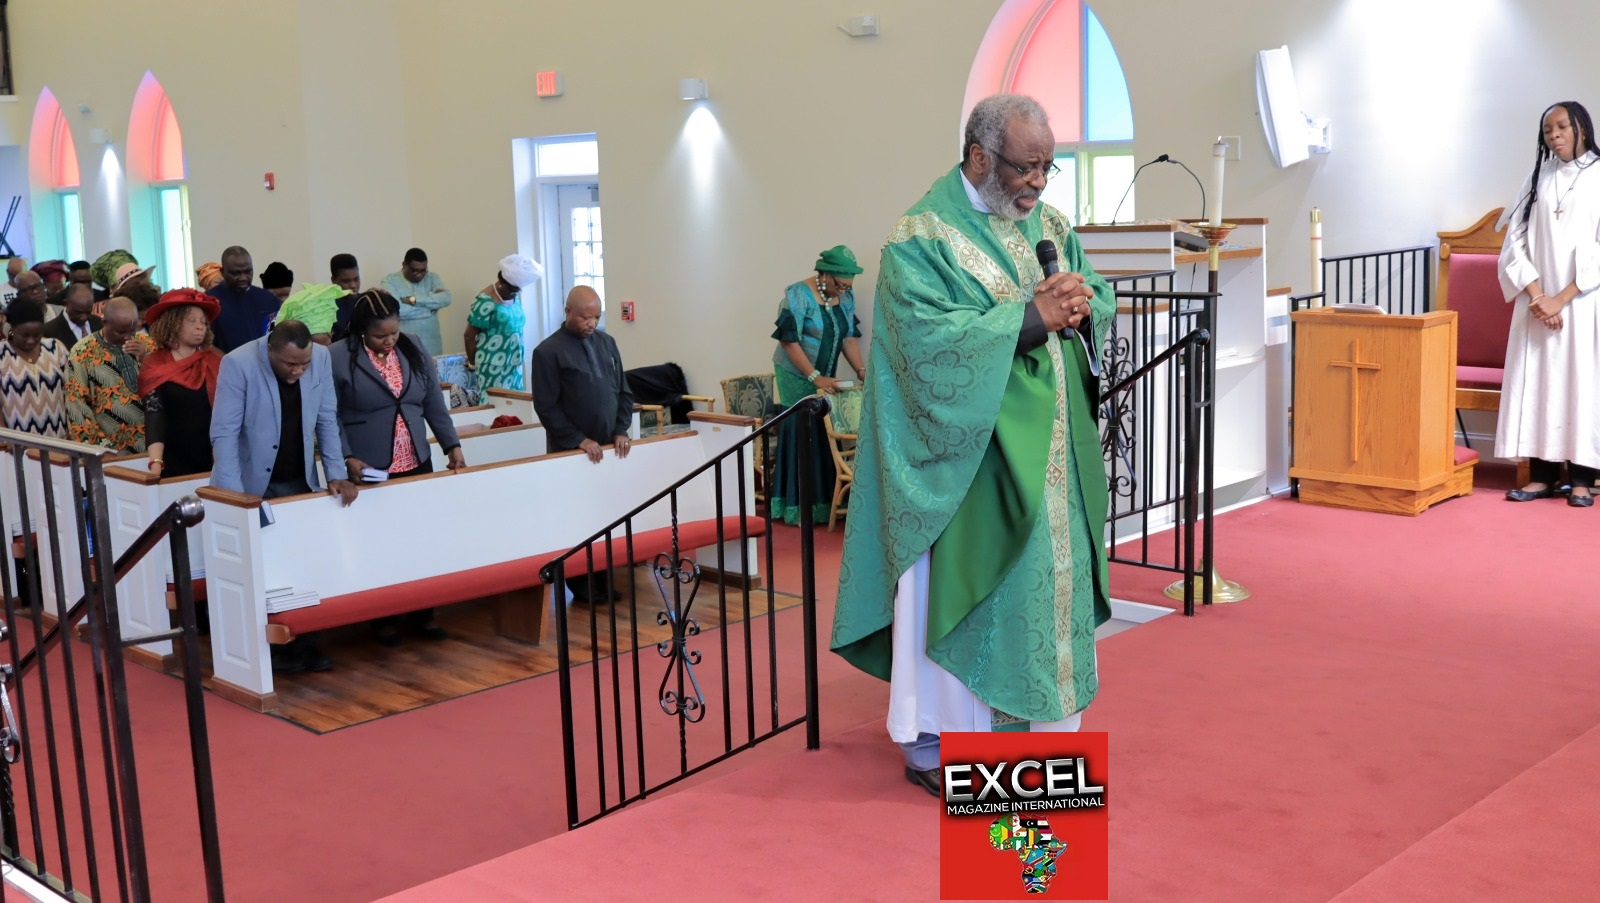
[135,496]
[520,406]
[428,541]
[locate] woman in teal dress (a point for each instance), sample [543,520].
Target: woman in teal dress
[495,324]
[816,323]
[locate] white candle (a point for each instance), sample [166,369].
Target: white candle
[1219,153]
[1316,249]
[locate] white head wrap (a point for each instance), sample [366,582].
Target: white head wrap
[520,271]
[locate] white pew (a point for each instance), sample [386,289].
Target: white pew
[135,497]
[70,539]
[492,446]
[451,537]
[520,405]
[477,417]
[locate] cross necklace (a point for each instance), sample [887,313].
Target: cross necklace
[1563,199]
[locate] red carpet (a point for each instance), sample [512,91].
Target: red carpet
[1405,711]
[1391,717]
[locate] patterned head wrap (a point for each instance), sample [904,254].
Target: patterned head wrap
[104,268]
[839,261]
[208,275]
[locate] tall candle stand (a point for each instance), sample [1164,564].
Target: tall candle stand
[1209,585]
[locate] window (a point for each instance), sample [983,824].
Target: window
[158,198]
[53,172]
[177,258]
[578,156]
[588,261]
[1057,52]
[72,224]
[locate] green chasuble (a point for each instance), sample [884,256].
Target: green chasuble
[988,458]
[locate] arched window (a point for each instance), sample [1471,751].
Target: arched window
[1057,52]
[53,172]
[158,196]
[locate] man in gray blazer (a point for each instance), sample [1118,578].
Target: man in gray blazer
[260,447]
[274,395]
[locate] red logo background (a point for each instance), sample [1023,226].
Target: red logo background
[970,868]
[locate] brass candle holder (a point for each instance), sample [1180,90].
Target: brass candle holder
[1215,236]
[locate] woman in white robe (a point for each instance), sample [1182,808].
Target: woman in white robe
[1550,269]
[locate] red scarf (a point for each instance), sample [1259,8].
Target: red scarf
[192,372]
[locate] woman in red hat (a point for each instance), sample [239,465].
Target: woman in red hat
[178,383]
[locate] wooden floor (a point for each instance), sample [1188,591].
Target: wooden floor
[370,681]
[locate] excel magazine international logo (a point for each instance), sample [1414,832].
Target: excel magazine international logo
[1024,816]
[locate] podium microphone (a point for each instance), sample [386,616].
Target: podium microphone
[1161,159]
[1050,261]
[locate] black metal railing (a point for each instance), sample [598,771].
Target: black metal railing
[1399,280]
[71,728]
[613,750]
[1157,425]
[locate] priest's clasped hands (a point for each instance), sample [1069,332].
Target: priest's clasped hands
[1063,301]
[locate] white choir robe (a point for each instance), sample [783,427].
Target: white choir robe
[1550,400]
[923,697]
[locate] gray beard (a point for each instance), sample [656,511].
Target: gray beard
[995,197]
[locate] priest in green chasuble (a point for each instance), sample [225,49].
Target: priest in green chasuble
[974,570]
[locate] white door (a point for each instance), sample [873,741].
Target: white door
[582,255]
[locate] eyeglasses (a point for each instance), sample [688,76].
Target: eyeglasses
[1028,172]
[843,285]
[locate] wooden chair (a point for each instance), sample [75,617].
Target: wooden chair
[1469,283]
[661,395]
[843,424]
[752,395]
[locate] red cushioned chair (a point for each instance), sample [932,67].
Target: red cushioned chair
[1469,283]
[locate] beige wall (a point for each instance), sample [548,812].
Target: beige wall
[825,140]
[228,67]
[389,123]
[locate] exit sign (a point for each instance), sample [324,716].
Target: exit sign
[547,84]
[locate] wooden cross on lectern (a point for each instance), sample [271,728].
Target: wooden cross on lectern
[1355,365]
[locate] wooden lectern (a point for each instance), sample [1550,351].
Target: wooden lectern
[1374,405]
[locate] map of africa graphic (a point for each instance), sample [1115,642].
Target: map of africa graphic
[1029,837]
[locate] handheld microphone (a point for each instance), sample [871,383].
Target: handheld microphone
[1161,159]
[1050,261]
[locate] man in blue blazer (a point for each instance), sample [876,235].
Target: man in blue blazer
[260,449]
[274,395]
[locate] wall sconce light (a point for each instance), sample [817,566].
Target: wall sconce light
[861,27]
[692,89]
[100,136]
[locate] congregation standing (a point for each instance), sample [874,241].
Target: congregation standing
[270,388]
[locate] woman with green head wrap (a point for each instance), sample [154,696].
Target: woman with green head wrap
[317,306]
[816,323]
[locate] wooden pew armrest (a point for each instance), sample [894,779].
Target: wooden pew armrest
[141,476]
[723,419]
[228,497]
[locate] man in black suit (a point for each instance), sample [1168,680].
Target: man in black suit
[75,321]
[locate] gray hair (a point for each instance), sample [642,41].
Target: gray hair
[986,125]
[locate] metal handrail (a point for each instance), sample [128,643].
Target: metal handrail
[1198,338]
[185,512]
[1344,257]
[816,405]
